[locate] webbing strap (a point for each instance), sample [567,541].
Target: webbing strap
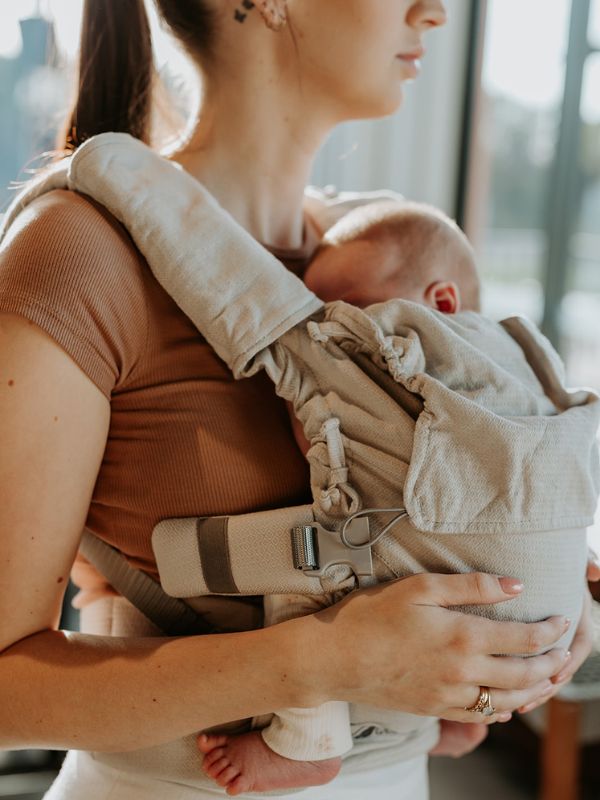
[215,559]
[171,615]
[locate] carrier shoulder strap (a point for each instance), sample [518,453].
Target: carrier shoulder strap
[545,364]
[239,296]
[173,616]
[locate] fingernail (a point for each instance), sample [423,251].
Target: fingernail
[506,717]
[527,708]
[567,622]
[562,677]
[510,585]
[567,655]
[548,689]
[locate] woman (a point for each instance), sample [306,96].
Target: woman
[115,414]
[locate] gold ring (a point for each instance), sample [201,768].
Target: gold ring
[484,703]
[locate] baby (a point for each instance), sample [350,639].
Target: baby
[375,253]
[389,249]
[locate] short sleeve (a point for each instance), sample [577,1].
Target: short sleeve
[68,266]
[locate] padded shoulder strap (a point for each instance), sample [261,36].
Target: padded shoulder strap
[239,296]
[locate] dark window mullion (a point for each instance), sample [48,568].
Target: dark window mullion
[564,195]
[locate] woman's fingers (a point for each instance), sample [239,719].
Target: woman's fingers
[593,567]
[504,702]
[539,702]
[511,672]
[471,588]
[581,645]
[478,635]
[457,739]
[477,588]
[580,649]
[439,674]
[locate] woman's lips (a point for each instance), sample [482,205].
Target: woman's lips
[416,55]
[412,62]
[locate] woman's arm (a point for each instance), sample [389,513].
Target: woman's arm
[71,690]
[395,645]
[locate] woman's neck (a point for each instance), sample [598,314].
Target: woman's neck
[254,150]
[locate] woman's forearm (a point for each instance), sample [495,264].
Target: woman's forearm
[397,646]
[63,690]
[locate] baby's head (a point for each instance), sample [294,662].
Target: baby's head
[394,249]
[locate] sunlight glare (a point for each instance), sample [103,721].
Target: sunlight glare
[531,70]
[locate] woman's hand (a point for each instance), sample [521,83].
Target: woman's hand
[593,567]
[459,738]
[400,645]
[580,650]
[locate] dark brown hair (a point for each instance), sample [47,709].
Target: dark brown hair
[116,68]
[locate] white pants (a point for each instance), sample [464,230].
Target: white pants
[83,778]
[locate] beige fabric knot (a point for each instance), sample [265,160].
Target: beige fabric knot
[340,496]
[315,332]
[331,424]
[390,357]
[329,498]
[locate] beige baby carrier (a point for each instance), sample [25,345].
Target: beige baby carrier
[438,443]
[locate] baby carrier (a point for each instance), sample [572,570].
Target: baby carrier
[438,443]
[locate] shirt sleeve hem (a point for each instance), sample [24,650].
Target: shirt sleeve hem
[84,354]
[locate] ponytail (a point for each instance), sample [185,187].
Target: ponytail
[115,72]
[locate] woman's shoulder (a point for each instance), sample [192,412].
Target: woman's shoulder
[72,224]
[69,266]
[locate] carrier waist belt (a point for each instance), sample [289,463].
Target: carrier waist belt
[284,549]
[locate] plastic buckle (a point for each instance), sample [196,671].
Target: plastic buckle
[315,549]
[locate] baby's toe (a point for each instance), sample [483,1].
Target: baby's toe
[238,786]
[207,742]
[217,767]
[211,757]
[228,775]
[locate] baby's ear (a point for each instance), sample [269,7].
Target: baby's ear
[444,296]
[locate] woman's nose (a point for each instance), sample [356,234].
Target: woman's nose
[427,14]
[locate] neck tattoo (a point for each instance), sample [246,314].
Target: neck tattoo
[239,15]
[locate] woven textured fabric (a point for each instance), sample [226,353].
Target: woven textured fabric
[463,422]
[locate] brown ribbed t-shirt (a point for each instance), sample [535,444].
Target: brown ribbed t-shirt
[185,439]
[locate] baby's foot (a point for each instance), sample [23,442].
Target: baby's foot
[246,764]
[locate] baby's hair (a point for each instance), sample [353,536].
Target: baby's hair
[421,233]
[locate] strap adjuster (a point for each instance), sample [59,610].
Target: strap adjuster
[305,547]
[314,549]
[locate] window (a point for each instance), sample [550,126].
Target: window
[533,208]
[532,205]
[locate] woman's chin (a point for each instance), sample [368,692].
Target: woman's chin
[387,105]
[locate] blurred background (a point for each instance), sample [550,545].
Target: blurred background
[502,131]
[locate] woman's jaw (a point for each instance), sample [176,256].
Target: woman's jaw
[271,99]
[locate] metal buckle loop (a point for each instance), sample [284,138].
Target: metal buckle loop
[314,549]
